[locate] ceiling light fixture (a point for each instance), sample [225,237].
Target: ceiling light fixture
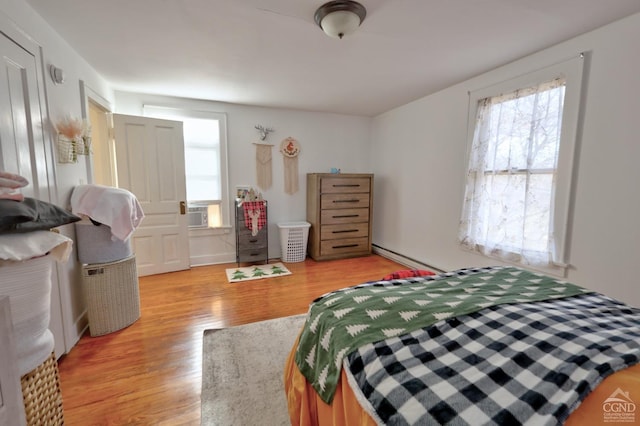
[340,17]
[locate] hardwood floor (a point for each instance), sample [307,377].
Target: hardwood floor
[150,372]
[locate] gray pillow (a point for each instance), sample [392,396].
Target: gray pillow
[44,216]
[13,212]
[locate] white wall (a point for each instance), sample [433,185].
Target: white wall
[419,193]
[326,140]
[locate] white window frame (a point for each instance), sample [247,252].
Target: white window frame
[174,113]
[572,71]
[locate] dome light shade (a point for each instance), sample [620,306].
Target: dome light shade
[339,18]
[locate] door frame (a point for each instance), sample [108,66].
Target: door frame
[87,95]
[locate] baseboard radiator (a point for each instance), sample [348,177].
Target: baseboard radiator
[402,259]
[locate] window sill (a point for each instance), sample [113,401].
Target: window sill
[557,270]
[204,232]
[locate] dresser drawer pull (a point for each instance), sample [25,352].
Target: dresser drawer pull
[344,231]
[253,241]
[347,185]
[345,246]
[345,215]
[346,201]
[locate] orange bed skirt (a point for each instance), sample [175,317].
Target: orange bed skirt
[306,408]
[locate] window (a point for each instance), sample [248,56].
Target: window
[202,159]
[205,162]
[517,196]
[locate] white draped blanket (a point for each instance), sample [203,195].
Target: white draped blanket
[27,245]
[115,207]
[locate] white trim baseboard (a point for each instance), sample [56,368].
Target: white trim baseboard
[402,259]
[214,259]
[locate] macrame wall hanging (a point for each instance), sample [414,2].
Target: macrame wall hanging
[290,149]
[263,165]
[263,159]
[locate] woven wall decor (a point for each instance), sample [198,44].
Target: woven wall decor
[263,165]
[290,149]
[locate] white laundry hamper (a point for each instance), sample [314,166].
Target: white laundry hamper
[293,241]
[97,245]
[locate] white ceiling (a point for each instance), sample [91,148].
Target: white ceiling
[271,53]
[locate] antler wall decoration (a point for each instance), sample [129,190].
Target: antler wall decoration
[264,131]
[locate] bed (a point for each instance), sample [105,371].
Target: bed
[497,345]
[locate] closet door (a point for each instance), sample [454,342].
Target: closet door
[23,147]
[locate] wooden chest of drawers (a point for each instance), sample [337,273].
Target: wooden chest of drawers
[251,248]
[339,209]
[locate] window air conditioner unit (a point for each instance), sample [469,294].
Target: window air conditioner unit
[198,217]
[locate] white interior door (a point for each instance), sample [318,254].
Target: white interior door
[150,164]
[23,149]
[17,73]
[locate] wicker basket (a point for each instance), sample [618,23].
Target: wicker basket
[42,395]
[112,295]
[67,152]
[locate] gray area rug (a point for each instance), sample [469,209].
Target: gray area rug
[242,373]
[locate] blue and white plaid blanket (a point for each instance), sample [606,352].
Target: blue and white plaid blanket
[528,363]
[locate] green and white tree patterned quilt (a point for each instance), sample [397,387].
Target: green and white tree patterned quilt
[341,321]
